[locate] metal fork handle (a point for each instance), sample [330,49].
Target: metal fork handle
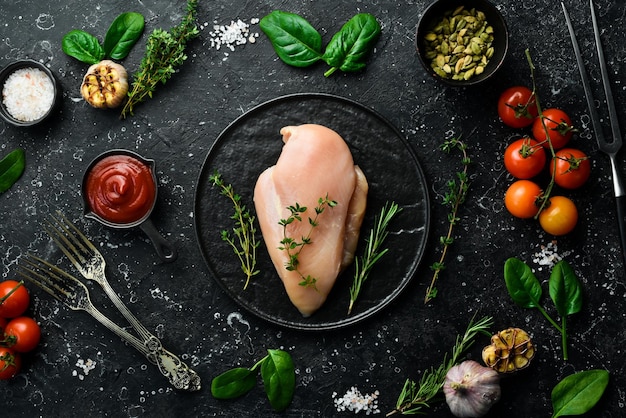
[170,366]
[168,363]
[152,342]
[618,185]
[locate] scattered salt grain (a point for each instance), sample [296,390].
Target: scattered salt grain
[354,401]
[27,94]
[230,36]
[548,255]
[86,366]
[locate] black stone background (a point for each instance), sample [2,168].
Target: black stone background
[182,304]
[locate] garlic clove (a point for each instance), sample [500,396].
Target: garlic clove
[471,389]
[105,85]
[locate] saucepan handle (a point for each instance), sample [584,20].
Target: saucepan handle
[166,251]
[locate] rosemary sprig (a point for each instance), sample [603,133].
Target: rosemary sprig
[164,52]
[364,264]
[415,397]
[244,242]
[294,247]
[457,191]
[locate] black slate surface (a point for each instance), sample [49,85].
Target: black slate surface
[185,307]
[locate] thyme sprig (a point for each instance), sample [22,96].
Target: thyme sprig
[292,246]
[244,242]
[373,253]
[415,397]
[164,52]
[457,192]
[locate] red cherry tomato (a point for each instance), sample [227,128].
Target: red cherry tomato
[517,107]
[559,217]
[570,167]
[524,158]
[559,126]
[14,299]
[10,363]
[521,199]
[23,334]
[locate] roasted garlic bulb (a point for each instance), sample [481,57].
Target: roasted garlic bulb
[105,85]
[510,350]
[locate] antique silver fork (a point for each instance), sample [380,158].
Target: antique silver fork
[74,294]
[91,265]
[609,147]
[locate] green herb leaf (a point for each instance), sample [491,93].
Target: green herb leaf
[565,289]
[233,383]
[245,245]
[453,200]
[348,48]
[164,52]
[579,392]
[122,35]
[523,286]
[289,243]
[279,379]
[415,397]
[373,252]
[295,41]
[11,168]
[82,46]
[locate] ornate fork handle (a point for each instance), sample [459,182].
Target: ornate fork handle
[179,374]
[151,341]
[170,366]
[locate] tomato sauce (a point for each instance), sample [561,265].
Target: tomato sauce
[120,189]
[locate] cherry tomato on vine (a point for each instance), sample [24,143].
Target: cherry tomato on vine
[517,107]
[521,197]
[524,158]
[559,127]
[570,167]
[559,217]
[10,363]
[23,334]
[3,324]
[14,299]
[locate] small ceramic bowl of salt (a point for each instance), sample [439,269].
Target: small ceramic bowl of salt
[29,93]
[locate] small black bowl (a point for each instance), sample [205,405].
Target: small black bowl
[166,251]
[435,13]
[4,75]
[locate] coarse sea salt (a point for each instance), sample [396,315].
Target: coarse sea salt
[28,94]
[354,401]
[235,34]
[548,255]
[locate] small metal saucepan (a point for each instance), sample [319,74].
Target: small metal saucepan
[120,190]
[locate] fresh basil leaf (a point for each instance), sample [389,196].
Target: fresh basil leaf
[82,46]
[233,383]
[11,168]
[579,392]
[565,289]
[523,286]
[279,379]
[295,41]
[348,48]
[122,35]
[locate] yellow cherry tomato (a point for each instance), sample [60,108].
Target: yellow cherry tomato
[560,217]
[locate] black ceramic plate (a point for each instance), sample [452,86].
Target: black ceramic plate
[252,143]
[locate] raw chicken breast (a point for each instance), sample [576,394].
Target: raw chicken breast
[315,162]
